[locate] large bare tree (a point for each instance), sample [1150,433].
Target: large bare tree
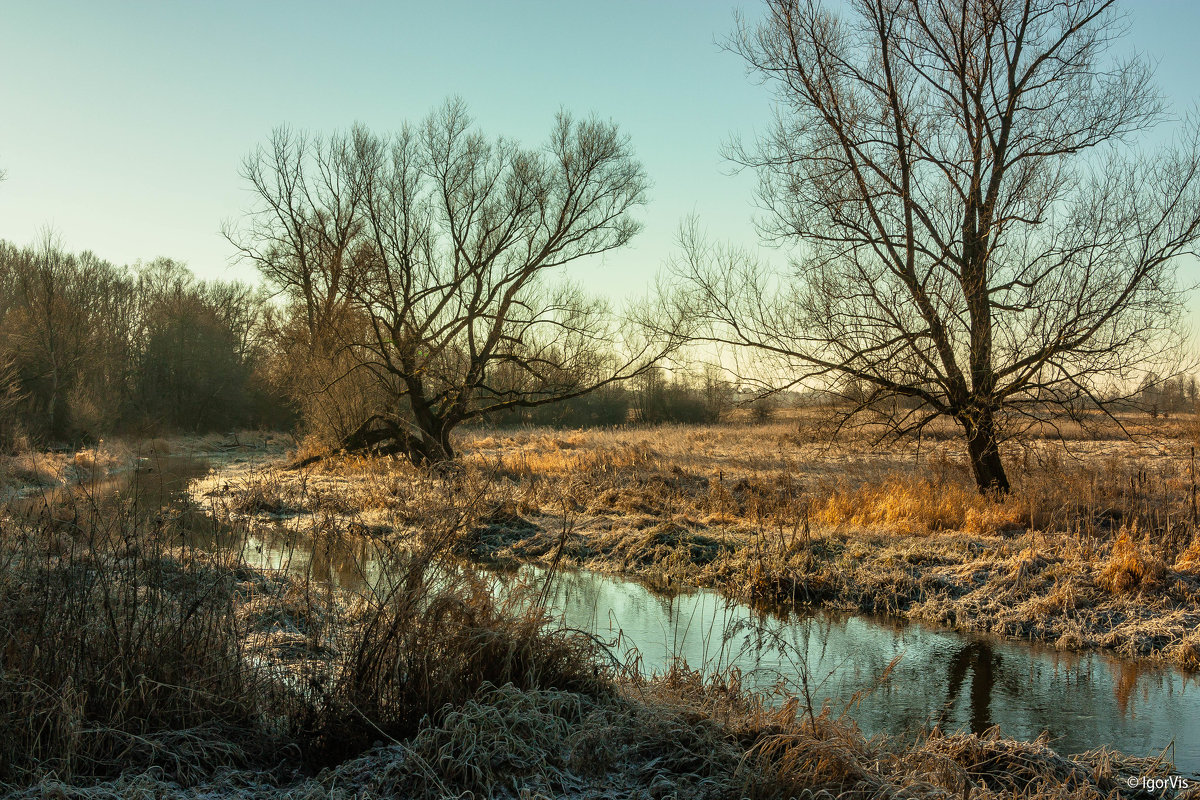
[433,248]
[975,234]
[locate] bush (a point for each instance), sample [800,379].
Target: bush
[679,399]
[604,407]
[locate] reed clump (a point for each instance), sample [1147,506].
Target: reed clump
[1130,567]
[409,652]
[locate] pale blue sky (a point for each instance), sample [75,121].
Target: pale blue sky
[122,125]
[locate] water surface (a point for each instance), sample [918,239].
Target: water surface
[941,677]
[957,681]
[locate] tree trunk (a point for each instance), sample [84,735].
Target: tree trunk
[382,436]
[433,446]
[985,453]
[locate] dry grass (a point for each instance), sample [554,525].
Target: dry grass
[125,650]
[31,468]
[919,505]
[119,650]
[678,737]
[1130,567]
[1095,547]
[135,666]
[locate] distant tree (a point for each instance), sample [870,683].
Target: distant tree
[717,391]
[11,401]
[970,233]
[46,328]
[193,366]
[607,406]
[420,264]
[89,348]
[1165,396]
[650,396]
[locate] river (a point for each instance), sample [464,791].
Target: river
[956,681]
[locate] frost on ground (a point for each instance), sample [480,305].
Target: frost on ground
[134,663]
[649,742]
[1096,547]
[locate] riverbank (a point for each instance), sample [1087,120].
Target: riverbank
[30,472]
[1096,547]
[137,665]
[508,742]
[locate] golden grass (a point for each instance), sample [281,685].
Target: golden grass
[423,686]
[1130,567]
[32,468]
[1189,559]
[907,504]
[94,460]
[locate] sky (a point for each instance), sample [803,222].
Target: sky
[123,124]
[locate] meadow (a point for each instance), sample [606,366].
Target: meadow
[1096,546]
[140,660]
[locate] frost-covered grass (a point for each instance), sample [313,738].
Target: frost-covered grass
[134,663]
[1096,546]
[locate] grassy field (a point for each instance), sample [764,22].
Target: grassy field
[1096,547]
[134,663]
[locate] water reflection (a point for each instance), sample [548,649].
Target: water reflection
[943,678]
[152,484]
[977,660]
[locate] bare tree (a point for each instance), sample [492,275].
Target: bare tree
[974,236]
[433,245]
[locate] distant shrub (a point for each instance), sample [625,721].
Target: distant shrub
[601,408]
[679,399]
[763,407]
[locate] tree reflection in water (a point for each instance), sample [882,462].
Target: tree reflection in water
[977,658]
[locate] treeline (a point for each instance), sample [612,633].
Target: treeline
[1172,395]
[655,396]
[89,348]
